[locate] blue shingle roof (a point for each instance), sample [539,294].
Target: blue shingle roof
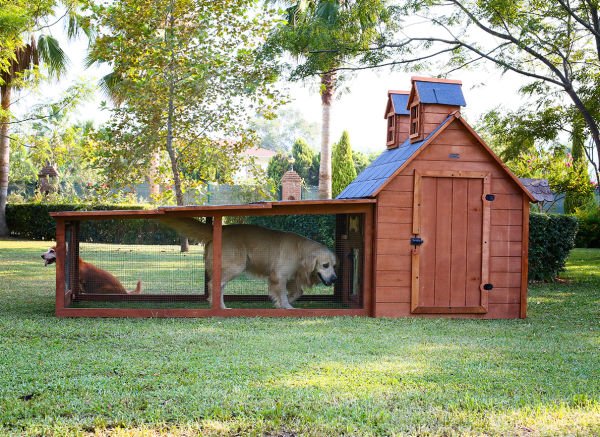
[400,101]
[440,93]
[384,166]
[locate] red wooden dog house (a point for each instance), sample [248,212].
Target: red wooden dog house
[436,225]
[451,220]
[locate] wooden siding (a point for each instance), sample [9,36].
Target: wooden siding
[395,219]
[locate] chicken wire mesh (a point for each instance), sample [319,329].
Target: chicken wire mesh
[300,261]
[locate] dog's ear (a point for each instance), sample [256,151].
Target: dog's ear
[309,263]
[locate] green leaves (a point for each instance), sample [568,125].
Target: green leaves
[344,171]
[52,55]
[325,33]
[185,73]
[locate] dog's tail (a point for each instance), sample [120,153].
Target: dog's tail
[138,289]
[189,227]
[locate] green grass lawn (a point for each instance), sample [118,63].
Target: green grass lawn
[326,377]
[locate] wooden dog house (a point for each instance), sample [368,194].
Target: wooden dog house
[451,221]
[437,225]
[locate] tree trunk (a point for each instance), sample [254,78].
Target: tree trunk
[154,188]
[185,245]
[4,159]
[327,89]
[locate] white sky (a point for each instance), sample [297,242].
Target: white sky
[359,110]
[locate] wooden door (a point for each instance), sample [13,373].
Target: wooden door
[451,216]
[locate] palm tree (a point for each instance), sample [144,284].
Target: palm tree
[27,56]
[326,33]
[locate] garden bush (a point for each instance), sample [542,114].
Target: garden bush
[588,234]
[320,228]
[32,221]
[551,238]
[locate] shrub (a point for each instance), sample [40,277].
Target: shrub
[320,228]
[32,221]
[551,237]
[588,234]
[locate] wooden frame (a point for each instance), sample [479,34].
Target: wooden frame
[361,206]
[414,129]
[391,129]
[524,259]
[415,307]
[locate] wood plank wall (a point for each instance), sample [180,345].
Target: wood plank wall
[394,227]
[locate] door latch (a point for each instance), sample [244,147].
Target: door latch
[416,241]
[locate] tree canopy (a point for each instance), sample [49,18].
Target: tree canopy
[556,45]
[25,45]
[193,75]
[310,32]
[344,171]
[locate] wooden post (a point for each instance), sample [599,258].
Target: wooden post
[74,259]
[341,286]
[485,241]
[368,286]
[60,266]
[209,221]
[216,267]
[524,259]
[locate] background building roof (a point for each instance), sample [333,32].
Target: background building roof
[539,189]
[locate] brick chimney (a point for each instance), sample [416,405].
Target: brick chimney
[397,118]
[291,186]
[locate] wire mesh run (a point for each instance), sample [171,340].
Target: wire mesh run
[310,261]
[299,261]
[128,263]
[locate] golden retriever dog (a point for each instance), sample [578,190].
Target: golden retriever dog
[92,279]
[289,261]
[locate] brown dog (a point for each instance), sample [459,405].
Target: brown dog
[92,279]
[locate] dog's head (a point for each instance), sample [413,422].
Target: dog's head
[49,256]
[324,266]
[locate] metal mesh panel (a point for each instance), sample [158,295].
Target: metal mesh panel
[118,254]
[281,261]
[295,255]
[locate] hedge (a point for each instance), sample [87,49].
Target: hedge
[320,227]
[551,237]
[33,222]
[588,234]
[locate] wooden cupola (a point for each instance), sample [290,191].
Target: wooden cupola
[430,102]
[397,118]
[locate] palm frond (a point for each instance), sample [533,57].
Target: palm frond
[109,86]
[52,55]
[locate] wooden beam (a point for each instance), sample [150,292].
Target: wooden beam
[524,259]
[217,247]
[368,284]
[485,240]
[233,312]
[60,266]
[417,196]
